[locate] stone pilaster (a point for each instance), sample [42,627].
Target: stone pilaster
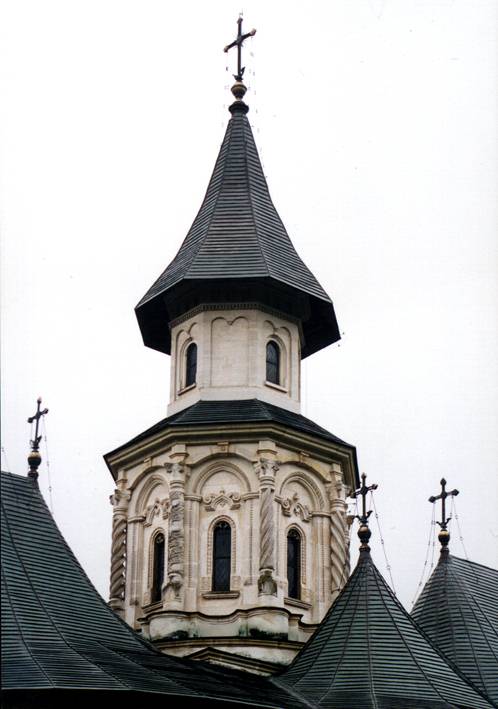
[339,534]
[119,501]
[266,469]
[174,586]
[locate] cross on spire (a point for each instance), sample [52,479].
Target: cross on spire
[34,458]
[444,535]
[238,41]
[364,532]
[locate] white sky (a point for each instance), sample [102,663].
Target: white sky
[376,123]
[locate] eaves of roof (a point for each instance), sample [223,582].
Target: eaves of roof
[238,415]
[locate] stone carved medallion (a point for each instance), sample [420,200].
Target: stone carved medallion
[293,505]
[156,509]
[230,500]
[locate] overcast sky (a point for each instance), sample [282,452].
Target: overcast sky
[376,124]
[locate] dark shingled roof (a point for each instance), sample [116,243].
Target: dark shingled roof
[59,637]
[242,411]
[458,610]
[369,654]
[237,250]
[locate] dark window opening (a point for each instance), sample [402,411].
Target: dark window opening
[191,365]
[222,552]
[294,564]
[273,363]
[158,568]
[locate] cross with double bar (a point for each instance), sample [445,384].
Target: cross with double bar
[238,43]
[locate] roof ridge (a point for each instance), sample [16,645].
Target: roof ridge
[473,563]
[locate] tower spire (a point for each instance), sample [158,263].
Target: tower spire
[444,535]
[239,89]
[34,457]
[364,532]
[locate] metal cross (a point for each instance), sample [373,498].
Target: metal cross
[363,491]
[238,43]
[35,443]
[442,497]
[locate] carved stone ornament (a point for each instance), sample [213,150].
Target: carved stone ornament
[266,583]
[158,507]
[222,499]
[291,505]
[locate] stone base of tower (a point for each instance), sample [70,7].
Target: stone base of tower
[260,640]
[230,534]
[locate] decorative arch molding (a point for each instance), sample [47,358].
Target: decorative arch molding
[304,548]
[142,489]
[233,550]
[219,466]
[310,485]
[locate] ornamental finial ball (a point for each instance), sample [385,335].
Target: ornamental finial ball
[239,90]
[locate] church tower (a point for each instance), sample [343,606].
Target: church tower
[230,535]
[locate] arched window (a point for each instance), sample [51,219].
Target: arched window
[157,567]
[191,364]
[222,552]
[272,362]
[294,563]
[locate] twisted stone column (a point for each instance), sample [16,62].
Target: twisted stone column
[119,501]
[176,533]
[339,548]
[266,470]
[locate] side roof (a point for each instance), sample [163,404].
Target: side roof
[244,411]
[58,634]
[238,250]
[458,610]
[368,653]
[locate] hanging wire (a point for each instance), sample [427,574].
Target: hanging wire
[7,466]
[432,532]
[388,565]
[460,535]
[47,464]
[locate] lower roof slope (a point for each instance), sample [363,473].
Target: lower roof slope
[58,634]
[242,411]
[458,610]
[368,653]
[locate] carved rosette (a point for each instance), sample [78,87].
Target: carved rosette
[339,538]
[176,532]
[119,501]
[266,470]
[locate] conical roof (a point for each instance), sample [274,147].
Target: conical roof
[238,250]
[368,653]
[458,610]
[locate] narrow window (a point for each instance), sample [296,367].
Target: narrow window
[273,362]
[294,563]
[191,364]
[222,549]
[157,568]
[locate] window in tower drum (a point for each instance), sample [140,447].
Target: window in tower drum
[294,564]
[191,365]
[157,568]
[222,550]
[272,362]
